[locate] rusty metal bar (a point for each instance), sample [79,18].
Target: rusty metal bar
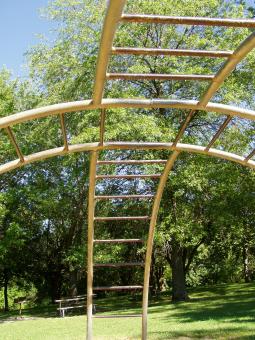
[250,156]
[120,240]
[121,218]
[183,126]
[102,127]
[121,197]
[118,265]
[160,19]
[101,177]
[15,144]
[219,132]
[133,162]
[63,128]
[116,316]
[163,77]
[118,288]
[170,52]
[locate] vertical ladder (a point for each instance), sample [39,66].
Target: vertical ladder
[93,199]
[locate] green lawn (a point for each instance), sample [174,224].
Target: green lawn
[219,312]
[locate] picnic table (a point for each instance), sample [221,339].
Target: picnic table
[76,302]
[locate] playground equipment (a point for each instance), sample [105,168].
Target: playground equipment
[114,16]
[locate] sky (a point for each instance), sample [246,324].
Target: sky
[19,23]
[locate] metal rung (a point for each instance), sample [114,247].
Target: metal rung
[171,52]
[155,76]
[123,197]
[119,218]
[121,240]
[118,288]
[250,156]
[117,316]
[160,19]
[127,176]
[218,133]
[117,265]
[133,161]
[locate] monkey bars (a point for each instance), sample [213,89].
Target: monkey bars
[113,17]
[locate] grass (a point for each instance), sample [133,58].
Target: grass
[218,312]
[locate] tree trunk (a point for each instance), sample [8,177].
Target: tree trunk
[6,281]
[55,285]
[246,270]
[73,284]
[179,291]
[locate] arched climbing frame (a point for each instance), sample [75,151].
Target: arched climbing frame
[113,17]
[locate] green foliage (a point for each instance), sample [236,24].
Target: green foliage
[207,211]
[20,289]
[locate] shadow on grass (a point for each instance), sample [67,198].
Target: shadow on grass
[224,308]
[36,312]
[200,334]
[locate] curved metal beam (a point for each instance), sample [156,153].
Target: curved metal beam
[60,151]
[153,221]
[112,18]
[82,105]
[91,211]
[239,54]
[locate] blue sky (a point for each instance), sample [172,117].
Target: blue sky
[19,23]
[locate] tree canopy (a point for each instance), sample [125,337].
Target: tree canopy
[206,225]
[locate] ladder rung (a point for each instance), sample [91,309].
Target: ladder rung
[117,265]
[121,240]
[155,76]
[171,52]
[124,218]
[133,161]
[127,176]
[117,316]
[118,288]
[123,197]
[160,19]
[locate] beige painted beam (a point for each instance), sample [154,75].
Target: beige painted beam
[56,109]
[91,211]
[239,54]
[153,221]
[112,18]
[128,146]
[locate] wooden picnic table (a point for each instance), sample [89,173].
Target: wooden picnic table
[76,302]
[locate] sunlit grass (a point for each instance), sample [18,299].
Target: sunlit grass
[219,312]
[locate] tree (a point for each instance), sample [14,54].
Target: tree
[56,190]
